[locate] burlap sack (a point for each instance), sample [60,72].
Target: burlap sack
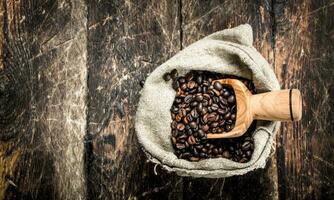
[228,52]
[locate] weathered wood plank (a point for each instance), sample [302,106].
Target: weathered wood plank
[42,99]
[304,59]
[200,18]
[126,41]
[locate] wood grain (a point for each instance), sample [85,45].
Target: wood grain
[69,87]
[126,41]
[42,99]
[304,60]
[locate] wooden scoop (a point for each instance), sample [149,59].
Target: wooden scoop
[282,105]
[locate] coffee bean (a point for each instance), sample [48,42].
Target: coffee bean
[218,86]
[214,125]
[228,128]
[200,107]
[189,76]
[222,111]
[248,154]
[185,155]
[231,99]
[199,79]
[180,146]
[203,155]
[204,111]
[184,87]
[226,154]
[194,113]
[173,140]
[193,125]
[194,104]
[214,107]
[194,159]
[233,117]
[199,97]
[180,126]
[227,115]
[211,117]
[175,85]
[178,118]
[191,140]
[223,101]
[205,128]
[182,80]
[201,133]
[226,94]
[166,76]
[215,151]
[243,160]
[246,146]
[142,83]
[188,98]
[174,74]
[191,84]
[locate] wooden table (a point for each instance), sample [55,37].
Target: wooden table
[69,88]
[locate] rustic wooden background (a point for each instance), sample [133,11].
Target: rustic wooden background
[69,88]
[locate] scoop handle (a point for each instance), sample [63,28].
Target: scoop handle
[282,105]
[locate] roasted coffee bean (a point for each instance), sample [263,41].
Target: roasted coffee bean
[223,101]
[227,115]
[191,84]
[191,140]
[201,133]
[178,118]
[218,86]
[200,107]
[214,107]
[142,83]
[204,111]
[173,140]
[184,87]
[214,124]
[182,80]
[199,97]
[246,146]
[185,155]
[189,76]
[222,111]
[174,74]
[194,159]
[199,79]
[212,117]
[226,154]
[194,113]
[180,126]
[205,128]
[194,104]
[180,146]
[233,117]
[167,76]
[193,125]
[175,85]
[226,94]
[194,151]
[231,99]
[188,98]
[228,128]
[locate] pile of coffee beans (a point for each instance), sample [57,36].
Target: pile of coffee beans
[203,106]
